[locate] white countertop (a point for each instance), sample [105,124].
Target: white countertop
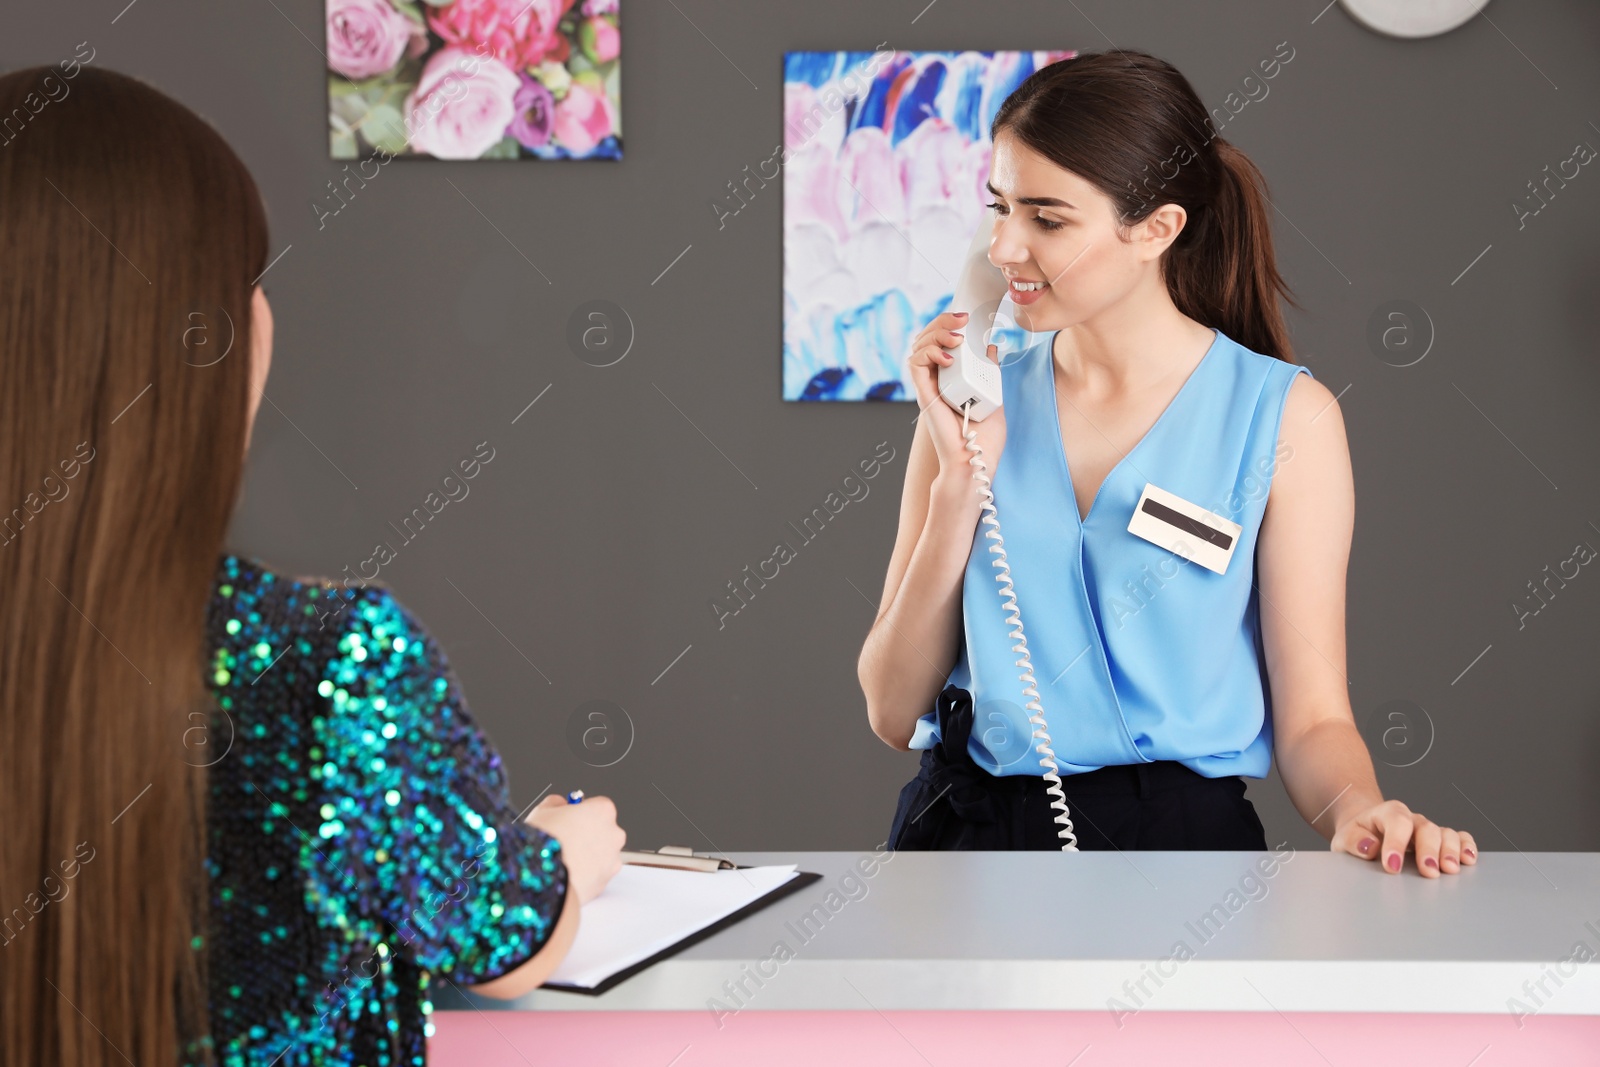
[1136,931]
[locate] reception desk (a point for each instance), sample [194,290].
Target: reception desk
[1277,958]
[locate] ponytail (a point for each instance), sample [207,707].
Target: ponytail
[1227,276]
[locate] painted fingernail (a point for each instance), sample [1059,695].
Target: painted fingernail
[1469,853]
[1393,862]
[1365,846]
[1431,862]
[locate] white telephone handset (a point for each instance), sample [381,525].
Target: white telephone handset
[970,383]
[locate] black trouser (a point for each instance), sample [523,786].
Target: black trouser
[953,803]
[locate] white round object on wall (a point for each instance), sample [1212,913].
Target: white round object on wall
[1413,18]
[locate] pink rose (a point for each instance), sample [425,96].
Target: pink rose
[519,33]
[366,37]
[461,106]
[583,119]
[602,40]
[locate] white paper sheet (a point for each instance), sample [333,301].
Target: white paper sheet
[645,909]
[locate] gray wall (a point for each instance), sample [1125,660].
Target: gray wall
[426,315]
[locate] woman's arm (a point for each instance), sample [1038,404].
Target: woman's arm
[1301,560]
[913,641]
[423,831]
[591,847]
[531,975]
[1302,557]
[912,645]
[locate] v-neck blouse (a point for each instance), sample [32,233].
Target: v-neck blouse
[1138,655]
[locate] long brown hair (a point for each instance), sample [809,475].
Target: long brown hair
[130,235]
[1131,125]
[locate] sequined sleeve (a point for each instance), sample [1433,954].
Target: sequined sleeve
[418,812]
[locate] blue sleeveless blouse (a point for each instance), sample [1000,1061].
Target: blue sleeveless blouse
[1139,654]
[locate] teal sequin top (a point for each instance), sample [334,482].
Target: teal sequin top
[362,837]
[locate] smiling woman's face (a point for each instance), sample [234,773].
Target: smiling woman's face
[1053,227]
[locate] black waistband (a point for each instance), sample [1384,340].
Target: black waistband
[949,763]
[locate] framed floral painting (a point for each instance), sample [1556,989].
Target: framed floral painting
[885,155]
[474,79]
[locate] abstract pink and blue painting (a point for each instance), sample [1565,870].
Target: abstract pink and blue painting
[885,159]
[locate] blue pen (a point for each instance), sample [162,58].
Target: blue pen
[575,797]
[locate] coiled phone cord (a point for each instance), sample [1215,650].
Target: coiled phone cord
[1008,596]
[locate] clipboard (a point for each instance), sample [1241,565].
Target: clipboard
[800,880]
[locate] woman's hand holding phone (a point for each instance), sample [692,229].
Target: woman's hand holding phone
[943,421]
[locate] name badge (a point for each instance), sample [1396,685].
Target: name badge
[1198,535]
